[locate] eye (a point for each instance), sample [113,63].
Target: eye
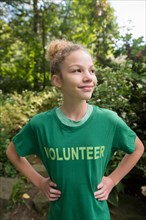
[92,71]
[76,70]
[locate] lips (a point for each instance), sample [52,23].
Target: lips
[86,86]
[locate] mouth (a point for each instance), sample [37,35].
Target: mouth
[86,87]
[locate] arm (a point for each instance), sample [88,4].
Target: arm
[127,163]
[124,167]
[22,164]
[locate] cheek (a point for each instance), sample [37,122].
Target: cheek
[70,81]
[95,80]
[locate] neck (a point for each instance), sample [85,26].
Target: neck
[74,112]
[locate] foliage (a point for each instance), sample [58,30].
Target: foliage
[134,52]
[16,110]
[23,63]
[106,32]
[16,196]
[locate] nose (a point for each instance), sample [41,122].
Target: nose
[87,76]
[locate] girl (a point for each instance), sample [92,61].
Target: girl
[75,141]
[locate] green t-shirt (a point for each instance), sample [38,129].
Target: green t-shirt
[76,158]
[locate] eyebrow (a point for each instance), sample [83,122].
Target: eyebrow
[78,65]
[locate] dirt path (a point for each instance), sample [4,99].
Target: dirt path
[25,210]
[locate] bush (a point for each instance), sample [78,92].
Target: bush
[16,110]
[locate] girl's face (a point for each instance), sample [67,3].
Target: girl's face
[78,78]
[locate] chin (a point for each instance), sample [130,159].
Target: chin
[87,97]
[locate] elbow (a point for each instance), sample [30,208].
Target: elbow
[139,147]
[10,150]
[142,149]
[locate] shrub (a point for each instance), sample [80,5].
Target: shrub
[16,110]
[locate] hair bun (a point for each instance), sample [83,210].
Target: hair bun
[55,46]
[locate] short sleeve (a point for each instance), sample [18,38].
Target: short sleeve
[124,138]
[25,141]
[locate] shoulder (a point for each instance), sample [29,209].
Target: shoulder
[112,118]
[105,113]
[42,117]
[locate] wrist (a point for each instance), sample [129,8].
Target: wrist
[40,182]
[113,181]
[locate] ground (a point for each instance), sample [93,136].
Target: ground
[24,210]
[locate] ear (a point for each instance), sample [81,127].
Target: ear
[56,80]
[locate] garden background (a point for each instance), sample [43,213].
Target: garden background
[27,26]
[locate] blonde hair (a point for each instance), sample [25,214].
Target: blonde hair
[58,50]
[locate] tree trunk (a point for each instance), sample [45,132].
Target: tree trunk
[35,16]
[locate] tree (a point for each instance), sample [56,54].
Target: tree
[93,24]
[106,33]
[33,23]
[134,51]
[24,65]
